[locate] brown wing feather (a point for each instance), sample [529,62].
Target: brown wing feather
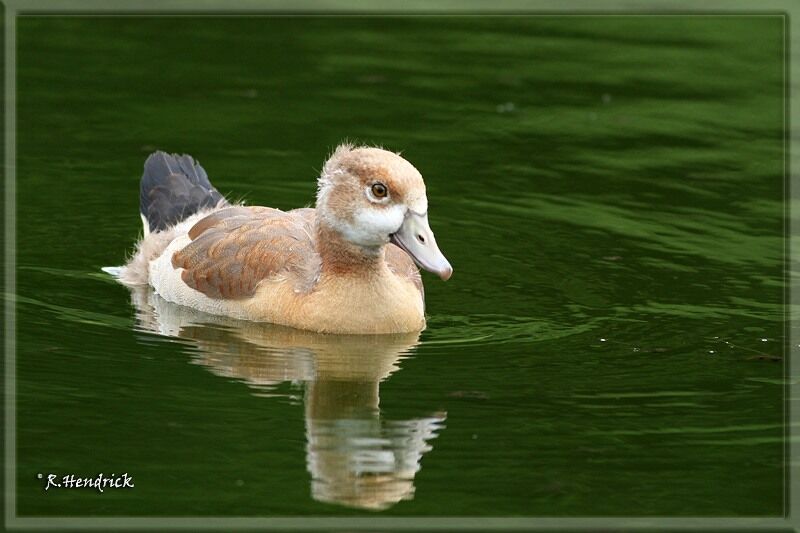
[234,249]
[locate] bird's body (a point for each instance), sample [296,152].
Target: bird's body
[331,269]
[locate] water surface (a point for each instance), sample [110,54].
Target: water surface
[609,191]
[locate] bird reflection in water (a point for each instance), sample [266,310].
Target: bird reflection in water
[355,458]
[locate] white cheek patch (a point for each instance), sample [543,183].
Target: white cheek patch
[372,226]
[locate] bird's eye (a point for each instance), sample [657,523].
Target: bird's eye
[379,190]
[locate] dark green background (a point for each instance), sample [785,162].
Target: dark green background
[589,177]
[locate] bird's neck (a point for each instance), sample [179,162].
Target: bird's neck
[343,258]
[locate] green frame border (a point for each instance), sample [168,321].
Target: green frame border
[781,8]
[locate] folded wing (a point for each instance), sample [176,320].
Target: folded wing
[234,249]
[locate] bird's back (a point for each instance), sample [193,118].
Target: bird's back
[232,250]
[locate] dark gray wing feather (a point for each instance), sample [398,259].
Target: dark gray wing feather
[174,188]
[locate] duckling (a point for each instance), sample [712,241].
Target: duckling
[347,266]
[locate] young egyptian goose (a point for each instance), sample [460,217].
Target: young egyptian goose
[346,266]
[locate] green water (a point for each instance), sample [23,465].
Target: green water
[610,194]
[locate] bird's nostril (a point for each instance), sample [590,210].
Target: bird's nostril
[421,239]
